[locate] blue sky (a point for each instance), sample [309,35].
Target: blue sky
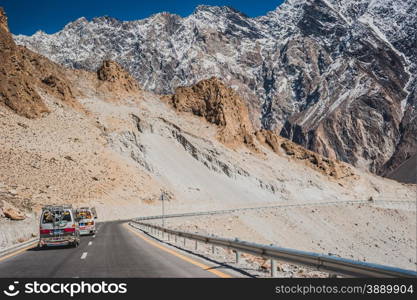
[28,16]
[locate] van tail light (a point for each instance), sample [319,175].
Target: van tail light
[45,231]
[69,229]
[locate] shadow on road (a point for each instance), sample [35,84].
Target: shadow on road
[221,265]
[37,248]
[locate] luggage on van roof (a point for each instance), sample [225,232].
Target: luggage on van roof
[56,207]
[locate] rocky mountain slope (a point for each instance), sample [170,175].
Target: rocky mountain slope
[22,72]
[337,77]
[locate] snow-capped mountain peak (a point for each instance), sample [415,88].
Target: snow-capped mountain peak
[335,76]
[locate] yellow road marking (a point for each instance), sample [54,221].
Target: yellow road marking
[17,252]
[187,259]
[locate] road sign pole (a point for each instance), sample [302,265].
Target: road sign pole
[163,210]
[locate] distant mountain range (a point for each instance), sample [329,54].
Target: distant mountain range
[338,77]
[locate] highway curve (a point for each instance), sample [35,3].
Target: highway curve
[115,251]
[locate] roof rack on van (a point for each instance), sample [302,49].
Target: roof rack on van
[56,207]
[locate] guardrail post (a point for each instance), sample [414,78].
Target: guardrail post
[273,268]
[196,245]
[212,249]
[184,242]
[237,257]
[176,238]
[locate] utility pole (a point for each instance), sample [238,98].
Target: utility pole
[163,210]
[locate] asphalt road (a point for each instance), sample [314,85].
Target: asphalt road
[115,251]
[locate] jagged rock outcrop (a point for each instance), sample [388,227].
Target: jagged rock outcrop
[270,139]
[3,20]
[23,74]
[312,70]
[59,87]
[219,105]
[330,167]
[114,83]
[12,204]
[17,90]
[113,73]
[13,214]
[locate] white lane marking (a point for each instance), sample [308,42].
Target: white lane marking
[84,255]
[89,243]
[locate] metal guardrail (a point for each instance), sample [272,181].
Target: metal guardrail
[11,249]
[227,211]
[321,262]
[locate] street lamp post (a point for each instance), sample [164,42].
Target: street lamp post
[163,210]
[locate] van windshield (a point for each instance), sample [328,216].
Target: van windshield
[50,217]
